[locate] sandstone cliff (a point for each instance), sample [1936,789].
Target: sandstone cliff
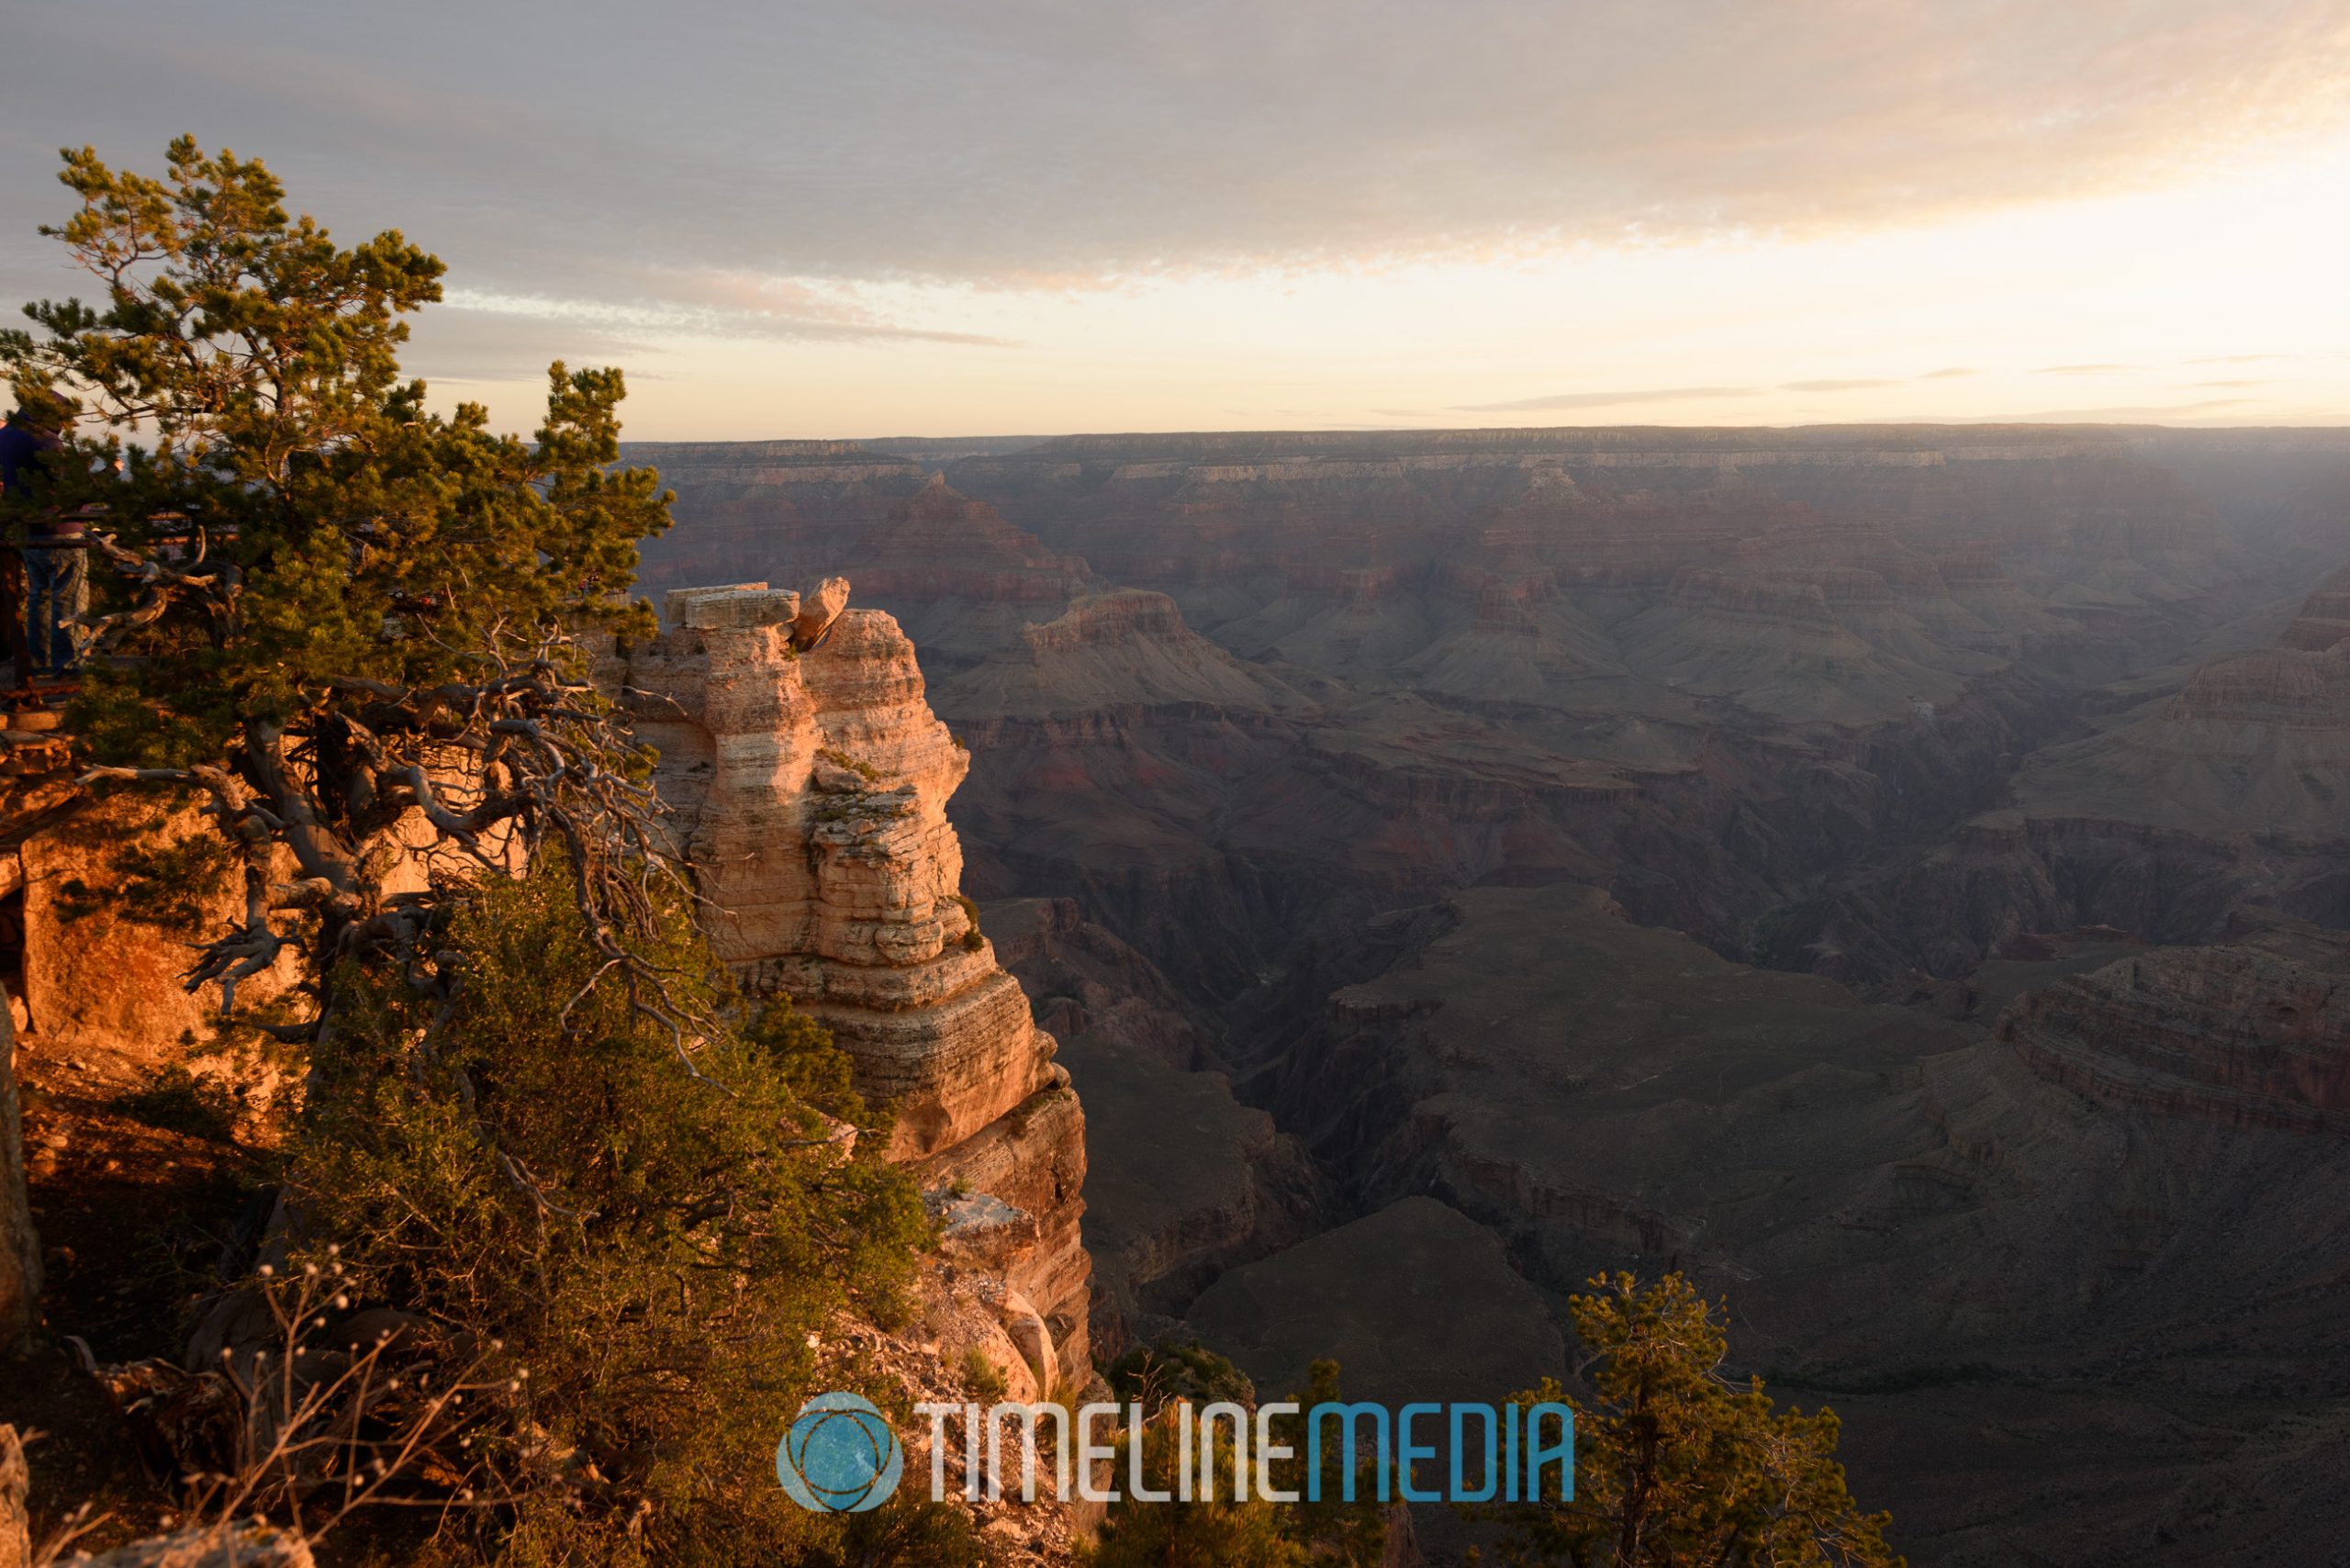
[808,779]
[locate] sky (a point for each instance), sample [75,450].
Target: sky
[1030,216]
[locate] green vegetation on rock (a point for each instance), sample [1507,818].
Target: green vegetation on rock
[662,1252]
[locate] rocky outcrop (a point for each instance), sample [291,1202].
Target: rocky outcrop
[2325,621]
[2252,1033]
[1106,651]
[808,779]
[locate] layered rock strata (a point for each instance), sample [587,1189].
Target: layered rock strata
[2252,1033]
[1225,686]
[808,782]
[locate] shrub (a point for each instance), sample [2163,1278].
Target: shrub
[987,1381]
[972,940]
[179,1101]
[655,1227]
[864,770]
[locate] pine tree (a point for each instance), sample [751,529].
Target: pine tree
[330,612]
[1678,1466]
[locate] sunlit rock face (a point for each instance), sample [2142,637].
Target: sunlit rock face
[807,781]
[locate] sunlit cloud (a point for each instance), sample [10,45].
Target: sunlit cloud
[685,317]
[1833,386]
[2138,414]
[1029,138]
[1606,400]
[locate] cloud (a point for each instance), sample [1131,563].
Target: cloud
[788,319]
[2081,369]
[1604,399]
[460,346]
[536,144]
[2124,416]
[1833,385]
[2255,383]
[1953,371]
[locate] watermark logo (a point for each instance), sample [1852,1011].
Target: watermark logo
[840,1456]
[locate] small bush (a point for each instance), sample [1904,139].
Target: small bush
[179,1101]
[972,940]
[987,1381]
[864,770]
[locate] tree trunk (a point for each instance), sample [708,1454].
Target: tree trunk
[19,1249]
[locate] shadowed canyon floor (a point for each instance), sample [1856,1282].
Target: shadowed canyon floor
[1897,875]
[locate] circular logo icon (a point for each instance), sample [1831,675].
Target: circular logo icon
[840,1456]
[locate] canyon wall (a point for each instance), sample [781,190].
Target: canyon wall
[2066,1265]
[1729,675]
[807,781]
[2222,788]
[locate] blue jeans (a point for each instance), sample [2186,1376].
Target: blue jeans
[57,595]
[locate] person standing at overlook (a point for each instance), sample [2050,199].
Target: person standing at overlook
[50,564]
[46,580]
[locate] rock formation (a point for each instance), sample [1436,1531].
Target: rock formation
[809,782]
[2252,1033]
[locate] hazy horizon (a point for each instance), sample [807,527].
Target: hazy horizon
[1985,422]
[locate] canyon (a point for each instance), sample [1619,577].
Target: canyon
[1330,894]
[1894,874]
